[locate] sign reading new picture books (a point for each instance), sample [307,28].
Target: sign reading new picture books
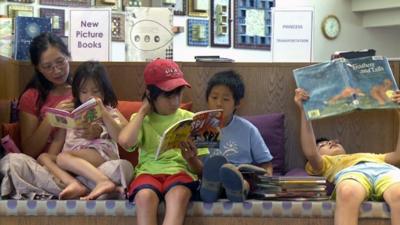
[343,85]
[90,34]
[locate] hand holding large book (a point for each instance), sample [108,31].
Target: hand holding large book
[204,128]
[88,112]
[343,85]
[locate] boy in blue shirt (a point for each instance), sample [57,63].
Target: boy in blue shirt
[241,142]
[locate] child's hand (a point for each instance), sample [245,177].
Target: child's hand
[396,99]
[145,108]
[300,96]
[100,103]
[188,150]
[89,131]
[67,105]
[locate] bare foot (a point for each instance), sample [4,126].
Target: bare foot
[101,188]
[73,190]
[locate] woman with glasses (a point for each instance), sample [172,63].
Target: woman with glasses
[49,87]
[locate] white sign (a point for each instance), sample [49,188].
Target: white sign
[90,34]
[292,35]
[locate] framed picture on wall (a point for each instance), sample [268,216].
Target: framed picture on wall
[252,24]
[198,8]
[220,23]
[57,18]
[22,1]
[74,3]
[197,34]
[118,27]
[19,10]
[180,7]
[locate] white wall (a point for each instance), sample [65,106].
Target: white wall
[352,37]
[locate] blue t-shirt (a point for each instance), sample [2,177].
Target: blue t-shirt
[242,143]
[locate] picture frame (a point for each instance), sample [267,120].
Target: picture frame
[19,10]
[22,1]
[180,7]
[198,8]
[73,3]
[57,17]
[118,27]
[114,4]
[198,32]
[220,23]
[258,14]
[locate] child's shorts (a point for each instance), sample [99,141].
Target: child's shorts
[161,183]
[376,178]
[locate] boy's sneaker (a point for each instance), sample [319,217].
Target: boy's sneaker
[236,187]
[210,183]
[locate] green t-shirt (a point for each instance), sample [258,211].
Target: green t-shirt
[171,161]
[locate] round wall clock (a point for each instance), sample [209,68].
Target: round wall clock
[330,27]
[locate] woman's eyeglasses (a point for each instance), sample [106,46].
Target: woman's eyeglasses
[59,63]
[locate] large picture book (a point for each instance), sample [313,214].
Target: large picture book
[343,85]
[204,128]
[88,112]
[26,28]
[6,37]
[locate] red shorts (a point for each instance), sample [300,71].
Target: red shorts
[161,183]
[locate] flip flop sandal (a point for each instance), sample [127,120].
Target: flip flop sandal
[233,182]
[210,183]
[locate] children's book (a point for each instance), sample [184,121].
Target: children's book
[6,37]
[88,112]
[343,85]
[204,128]
[26,28]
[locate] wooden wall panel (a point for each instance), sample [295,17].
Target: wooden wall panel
[269,88]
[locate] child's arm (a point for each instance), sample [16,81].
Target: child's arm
[129,134]
[114,121]
[268,167]
[394,157]
[307,137]
[189,153]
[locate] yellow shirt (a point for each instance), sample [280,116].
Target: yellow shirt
[333,164]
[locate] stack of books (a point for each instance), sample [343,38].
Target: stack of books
[290,187]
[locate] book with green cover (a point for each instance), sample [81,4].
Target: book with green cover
[344,85]
[6,37]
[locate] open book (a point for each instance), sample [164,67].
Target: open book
[343,85]
[86,113]
[204,128]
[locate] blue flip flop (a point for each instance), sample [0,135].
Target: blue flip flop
[210,183]
[233,182]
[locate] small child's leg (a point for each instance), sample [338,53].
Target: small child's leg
[176,201]
[349,196]
[392,198]
[146,201]
[102,187]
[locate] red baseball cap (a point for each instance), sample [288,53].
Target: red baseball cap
[165,74]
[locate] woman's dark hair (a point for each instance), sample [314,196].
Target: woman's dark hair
[155,92]
[92,70]
[229,78]
[39,82]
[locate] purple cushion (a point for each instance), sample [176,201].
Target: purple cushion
[271,127]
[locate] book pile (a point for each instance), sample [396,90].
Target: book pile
[290,188]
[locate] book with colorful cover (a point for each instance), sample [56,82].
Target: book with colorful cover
[344,85]
[88,112]
[204,129]
[6,37]
[26,28]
